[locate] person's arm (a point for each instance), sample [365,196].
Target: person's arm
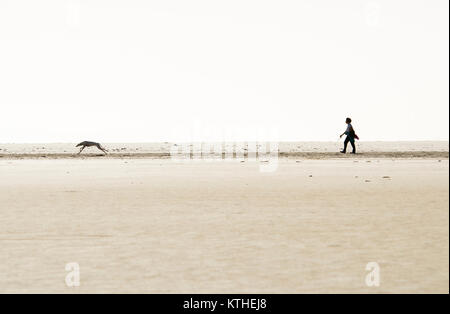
[345,133]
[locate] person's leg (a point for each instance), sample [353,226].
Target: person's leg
[345,145]
[353,146]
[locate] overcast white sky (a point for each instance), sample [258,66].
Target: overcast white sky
[141,71]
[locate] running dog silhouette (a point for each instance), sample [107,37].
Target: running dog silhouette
[90,144]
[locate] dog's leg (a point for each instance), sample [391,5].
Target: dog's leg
[82,148]
[102,149]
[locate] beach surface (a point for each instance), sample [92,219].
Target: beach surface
[152,225]
[201,150]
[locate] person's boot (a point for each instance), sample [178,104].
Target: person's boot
[343,151]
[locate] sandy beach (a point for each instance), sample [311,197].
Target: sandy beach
[224,147]
[154,225]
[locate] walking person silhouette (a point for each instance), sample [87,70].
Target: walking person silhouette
[351,136]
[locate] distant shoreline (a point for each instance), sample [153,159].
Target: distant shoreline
[229,150]
[288,155]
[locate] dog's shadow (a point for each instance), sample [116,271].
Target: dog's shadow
[91,155]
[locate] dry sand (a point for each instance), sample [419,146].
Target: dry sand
[159,226]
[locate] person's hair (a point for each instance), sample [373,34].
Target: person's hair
[348,120]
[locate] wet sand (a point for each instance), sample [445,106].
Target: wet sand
[242,150]
[294,155]
[159,226]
